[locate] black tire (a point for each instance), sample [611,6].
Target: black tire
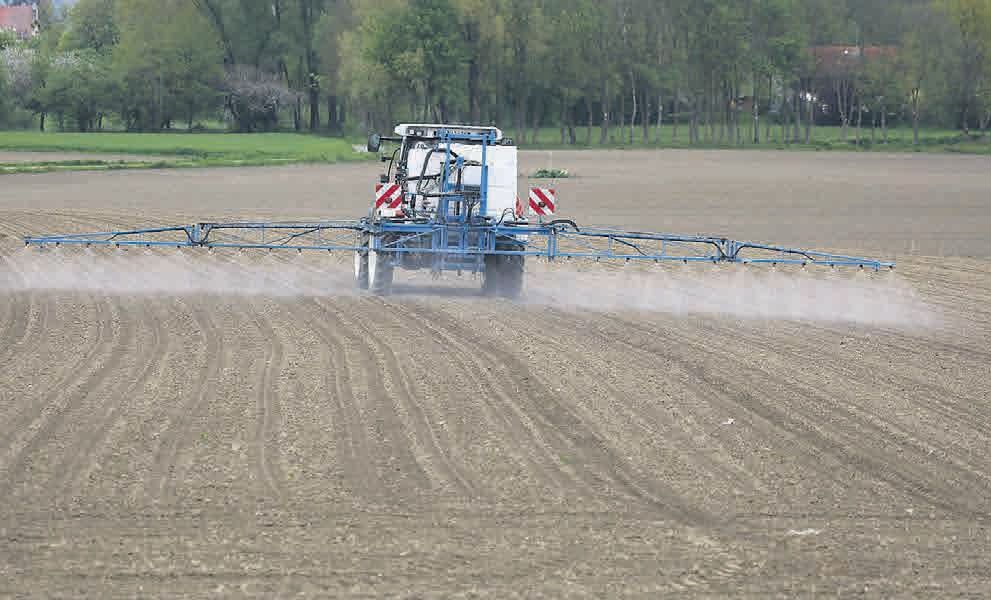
[491,276]
[512,277]
[361,265]
[503,274]
[380,271]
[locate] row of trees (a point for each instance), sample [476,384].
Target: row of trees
[713,69]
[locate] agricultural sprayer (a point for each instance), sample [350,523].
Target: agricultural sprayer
[449,202]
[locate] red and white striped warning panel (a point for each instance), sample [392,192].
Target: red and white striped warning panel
[543,201]
[388,195]
[388,199]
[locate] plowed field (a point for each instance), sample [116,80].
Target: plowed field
[185,423]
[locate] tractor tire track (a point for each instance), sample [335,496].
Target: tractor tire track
[867,368]
[866,376]
[427,442]
[387,422]
[21,310]
[114,336]
[149,362]
[18,424]
[931,400]
[267,406]
[166,472]
[529,446]
[566,429]
[585,438]
[842,437]
[348,425]
[717,395]
[562,330]
[26,319]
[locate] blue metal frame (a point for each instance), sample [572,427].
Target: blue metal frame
[461,241]
[551,241]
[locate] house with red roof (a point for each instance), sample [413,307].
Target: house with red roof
[834,71]
[22,19]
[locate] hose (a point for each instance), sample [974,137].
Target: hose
[564,222]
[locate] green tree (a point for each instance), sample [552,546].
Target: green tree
[7,38]
[972,22]
[419,48]
[6,101]
[91,25]
[167,64]
[78,89]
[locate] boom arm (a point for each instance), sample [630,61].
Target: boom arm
[557,239]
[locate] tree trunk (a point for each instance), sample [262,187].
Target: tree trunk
[916,97]
[633,113]
[860,120]
[723,112]
[521,119]
[645,120]
[474,78]
[536,118]
[756,111]
[660,118]
[884,122]
[314,93]
[783,116]
[674,116]
[41,121]
[693,122]
[569,115]
[604,129]
[737,137]
[331,112]
[770,100]
[622,118]
[842,105]
[588,129]
[693,130]
[797,123]
[710,124]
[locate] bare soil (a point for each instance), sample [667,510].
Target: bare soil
[278,439]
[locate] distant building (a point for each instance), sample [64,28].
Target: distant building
[840,61]
[22,19]
[834,70]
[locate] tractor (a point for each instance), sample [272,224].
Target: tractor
[448,202]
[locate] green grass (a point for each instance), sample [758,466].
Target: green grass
[550,174]
[823,138]
[46,166]
[178,149]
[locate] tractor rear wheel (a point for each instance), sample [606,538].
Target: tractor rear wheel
[503,274]
[379,271]
[361,264]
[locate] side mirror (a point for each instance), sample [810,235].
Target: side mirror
[374,142]
[383,178]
